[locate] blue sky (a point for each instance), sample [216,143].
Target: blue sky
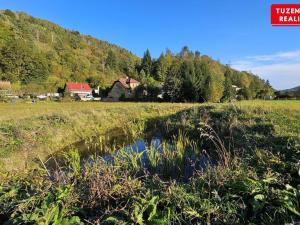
[236,32]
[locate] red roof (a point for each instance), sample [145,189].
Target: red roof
[126,81]
[71,86]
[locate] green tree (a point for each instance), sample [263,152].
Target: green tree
[142,75]
[172,85]
[160,68]
[229,91]
[10,13]
[146,64]
[266,91]
[20,62]
[214,88]
[191,83]
[95,81]
[111,60]
[185,52]
[202,72]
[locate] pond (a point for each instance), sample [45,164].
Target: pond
[164,164]
[155,150]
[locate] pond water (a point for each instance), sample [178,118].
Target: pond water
[190,162]
[139,146]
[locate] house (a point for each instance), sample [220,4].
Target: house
[80,89]
[124,87]
[237,91]
[5,85]
[236,88]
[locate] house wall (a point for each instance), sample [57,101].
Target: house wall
[133,85]
[80,93]
[5,85]
[117,91]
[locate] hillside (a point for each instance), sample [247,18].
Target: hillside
[292,92]
[38,56]
[35,51]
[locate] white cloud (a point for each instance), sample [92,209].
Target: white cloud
[279,56]
[282,69]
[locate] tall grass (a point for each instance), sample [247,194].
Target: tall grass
[252,175]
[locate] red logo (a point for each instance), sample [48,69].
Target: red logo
[285,14]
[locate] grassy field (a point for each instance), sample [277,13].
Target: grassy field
[233,163]
[29,132]
[20,111]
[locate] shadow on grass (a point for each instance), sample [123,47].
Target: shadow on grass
[239,133]
[242,133]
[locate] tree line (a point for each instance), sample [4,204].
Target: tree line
[191,77]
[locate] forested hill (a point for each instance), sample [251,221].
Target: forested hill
[289,93]
[38,56]
[35,51]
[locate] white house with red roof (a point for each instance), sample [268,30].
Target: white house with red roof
[80,89]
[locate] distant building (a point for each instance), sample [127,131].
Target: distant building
[5,85]
[124,87]
[5,88]
[80,89]
[236,88]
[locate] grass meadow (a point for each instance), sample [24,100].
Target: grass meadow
[29,132]
[231,163]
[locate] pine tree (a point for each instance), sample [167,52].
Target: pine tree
[191,83]
[142,75]
[147,63]
[197,55]
[184,52]
[202,72]
[229,91]
[160,68]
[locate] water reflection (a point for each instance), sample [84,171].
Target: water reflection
[191,162]
[174,166]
